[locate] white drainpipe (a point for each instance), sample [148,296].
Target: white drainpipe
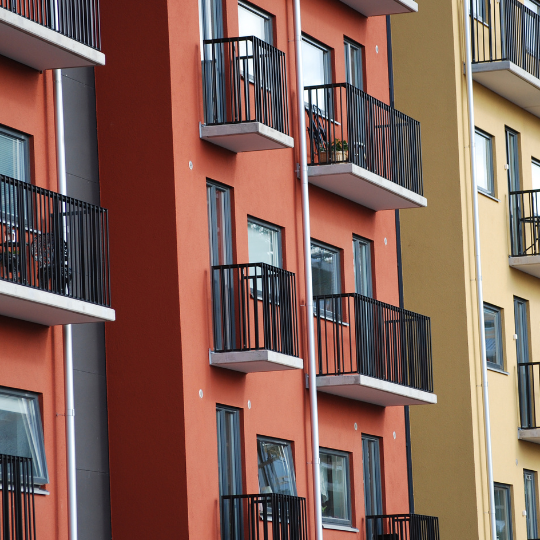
[307,269]
[480,292]
[68,348]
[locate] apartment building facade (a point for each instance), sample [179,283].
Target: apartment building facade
[54,276]
[439,255]
[210,425]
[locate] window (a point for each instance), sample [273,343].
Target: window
[362,266]
[372,480]
[503,507]
[276,468]
[522,330]
[254,22]
[493,329]
[219,223]
[530,25]
[316,70]
[354,64]
[21,432]
[535,164]
[512,161]
[484,162]
[335,487]
[211,19]
[529,480]
[479,10]
[525,383]
[264,241]
[325,268]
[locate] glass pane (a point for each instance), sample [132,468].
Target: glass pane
[325,268]
[530,504]
[264,244]
[21,433]
[276,469]
[362,267]
[483,162]
[502,513]
[334,487]
[353,65]
[251,24]
[315,73]
[12,157]
[492,323]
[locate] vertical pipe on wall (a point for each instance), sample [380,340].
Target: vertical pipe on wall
[68,345]
[479,286]
[307,268]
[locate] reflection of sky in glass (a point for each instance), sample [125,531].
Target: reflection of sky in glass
[491,337]
[502,514]
[313,70]
[263,244]
[333,486]
[483,158]
[324,265]
[535,175]
[276,470]
[250,24]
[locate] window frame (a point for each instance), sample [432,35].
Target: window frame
[228,222]
[482,18]
[534,502]
[290,455]
[365,243]
[346,455]
[508,494]
[40,442]
[489,166]
[498,312]
[267,17]
[348,44]
[327,314]
[25,138]
[271,227]
[378,475]
[525,327]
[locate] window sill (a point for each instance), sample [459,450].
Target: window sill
[488,195]
[497,369]
[344,528]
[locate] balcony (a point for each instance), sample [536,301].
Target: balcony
[402,527]
[506,51]
[263,516]
[362,149]
[373,352]
[47,35]
[245,95]
[17,515]
[372,8]
[529,429]
[525,231]
[255,318]
[54,257]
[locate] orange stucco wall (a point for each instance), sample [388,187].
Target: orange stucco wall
[163,449]
[31,356]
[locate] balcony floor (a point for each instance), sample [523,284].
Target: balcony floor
[511,82]
[530,435]
[371,390]
[246,137]
[529,264]
[41,307]
[41,48]
[363,187]
[372,8]
[255,361]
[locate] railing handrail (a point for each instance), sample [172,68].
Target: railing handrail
[270,267]
[263,496]
[400,516]
[253,39]
[528,363]
[402,527]
[524,191]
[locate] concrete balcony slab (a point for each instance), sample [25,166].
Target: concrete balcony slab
[372,390]
[246,137]
[41,48]
[372,8]
[530,435]
[48,309]
[529,264]
[363,187]
[255,361]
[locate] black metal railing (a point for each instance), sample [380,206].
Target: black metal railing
[244,80]
[254,308]
[347,125]
[17,514]
[528,373]
[75,19]
[268,516]
[505,30]
[402,527]
[53,243]
[525,222]
[357,334]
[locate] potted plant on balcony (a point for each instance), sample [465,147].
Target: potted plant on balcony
[339,151]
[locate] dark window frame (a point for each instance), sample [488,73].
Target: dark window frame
[348,45]
[534,503]
[508,493]
[25,138]
[271,227]
[364,242]
[490,169]
[346,455]
[290,455]
[267,17]
[498,312]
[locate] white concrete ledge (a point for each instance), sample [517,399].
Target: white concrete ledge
[530,435]
[41,48]
[363,187]
[255,361]
[372,8]
[511,82]
[41,307]
[344,528]
[371,390]
[246,137]
[529,265]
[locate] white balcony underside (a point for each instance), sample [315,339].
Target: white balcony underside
[530,435]
[375,391]
[371,8]
[41,307]
[247,137]
[363,187]
[511,82]
[529,265]
[41,48]
[255,361]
